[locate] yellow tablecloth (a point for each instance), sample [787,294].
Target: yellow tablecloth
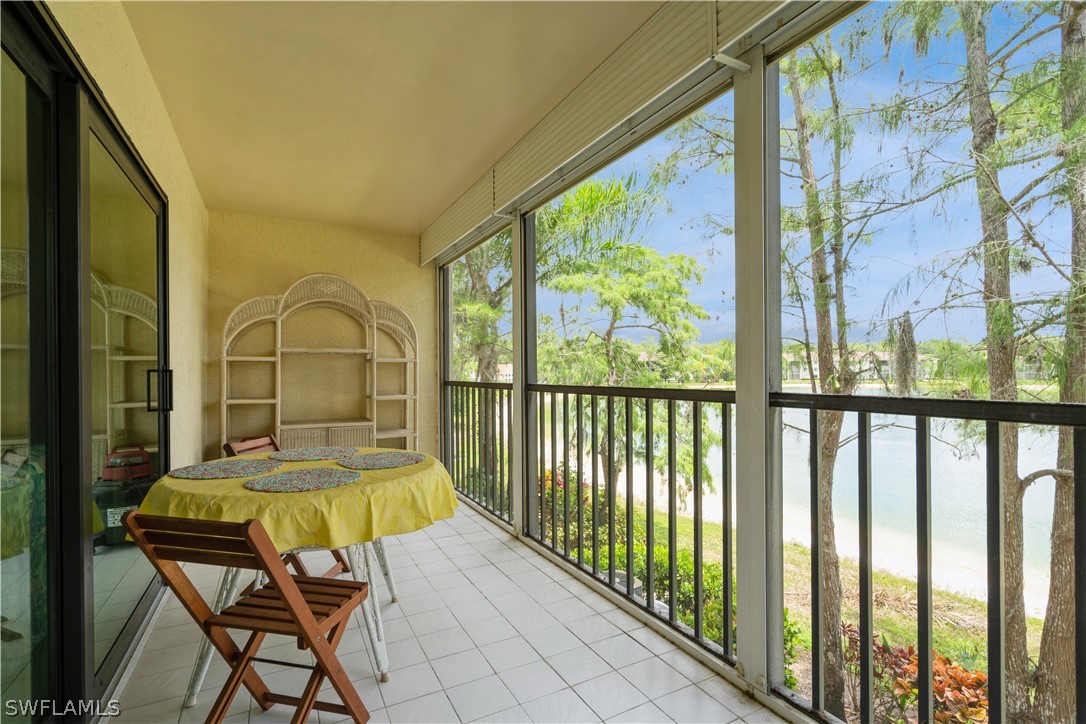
[380,503]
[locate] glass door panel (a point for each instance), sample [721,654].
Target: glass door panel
[124,384]
[24,579]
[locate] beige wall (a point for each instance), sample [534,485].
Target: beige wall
[103,37]
[254,255]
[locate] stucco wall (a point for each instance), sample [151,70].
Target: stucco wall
[254,255]
[103,37]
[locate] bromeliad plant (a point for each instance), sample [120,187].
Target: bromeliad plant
[959,694]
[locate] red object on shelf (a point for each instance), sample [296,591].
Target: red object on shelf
[126,462]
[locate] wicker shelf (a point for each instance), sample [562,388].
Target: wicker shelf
[398,363]
[327,423]
[324,350]
[392,433]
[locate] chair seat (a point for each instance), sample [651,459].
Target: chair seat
[329,599]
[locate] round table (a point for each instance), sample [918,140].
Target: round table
[380,503]
[351,516]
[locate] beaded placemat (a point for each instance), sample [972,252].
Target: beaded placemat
[299,481]
[218,469]
[381,460]
[299,454]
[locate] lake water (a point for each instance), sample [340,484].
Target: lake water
[959,561]
[959,509]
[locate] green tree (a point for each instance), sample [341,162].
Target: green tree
[625,317]
[482,285]
[1016,115]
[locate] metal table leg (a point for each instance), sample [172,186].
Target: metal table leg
[371,612]
[228,590]
[382,560]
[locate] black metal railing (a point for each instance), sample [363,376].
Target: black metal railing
[626,482]
[922,411]
[599,459]
[479,437]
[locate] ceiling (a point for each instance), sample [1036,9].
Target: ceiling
[375,114]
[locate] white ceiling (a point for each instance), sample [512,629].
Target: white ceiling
[376,114]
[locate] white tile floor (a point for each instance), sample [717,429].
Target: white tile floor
[486,630]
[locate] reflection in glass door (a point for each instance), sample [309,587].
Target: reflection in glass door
[124,386]
[24,571]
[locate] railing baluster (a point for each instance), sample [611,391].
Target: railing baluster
[650,530]
[476,438]
[462,433]
[595,488]
[817,628]
[629,498]
[468,429]
[492,465]
[554,471]
[492,415]
[580,479]
[923,569]
[488,449]
[672,517]
[697,523]
[611,484]
[503,498]
[542,434]
[565,480]
[726,518]
[996,611]
[867,675]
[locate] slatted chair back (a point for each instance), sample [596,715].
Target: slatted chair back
[286,605]
[264,443]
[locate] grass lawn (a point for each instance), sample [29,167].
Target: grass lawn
[959,625]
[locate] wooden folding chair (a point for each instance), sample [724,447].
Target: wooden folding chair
[316,610]
[268,443]
[264,443]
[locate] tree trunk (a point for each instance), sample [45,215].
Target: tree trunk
[1055,698]
[834,659]
[486,370]
[1000,329]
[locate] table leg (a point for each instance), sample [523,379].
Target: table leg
[382,560]
[371,612]
[367,550]
[228,589]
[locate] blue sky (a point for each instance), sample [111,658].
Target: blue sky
[901,244]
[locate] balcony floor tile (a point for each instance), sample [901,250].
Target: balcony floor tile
[487,630]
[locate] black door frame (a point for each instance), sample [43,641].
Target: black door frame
[73,108]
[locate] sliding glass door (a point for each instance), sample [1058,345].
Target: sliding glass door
[85,385]
[125,378]
[25,415]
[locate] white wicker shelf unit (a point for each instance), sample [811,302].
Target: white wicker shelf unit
[380,328]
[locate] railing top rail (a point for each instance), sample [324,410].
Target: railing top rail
[1038,413]
[651,393]
[480,385]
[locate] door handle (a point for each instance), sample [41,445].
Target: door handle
[150,372]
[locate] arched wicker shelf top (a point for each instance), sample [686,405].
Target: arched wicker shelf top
[392,320]
[110,298]
[13,272]
[315,290]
